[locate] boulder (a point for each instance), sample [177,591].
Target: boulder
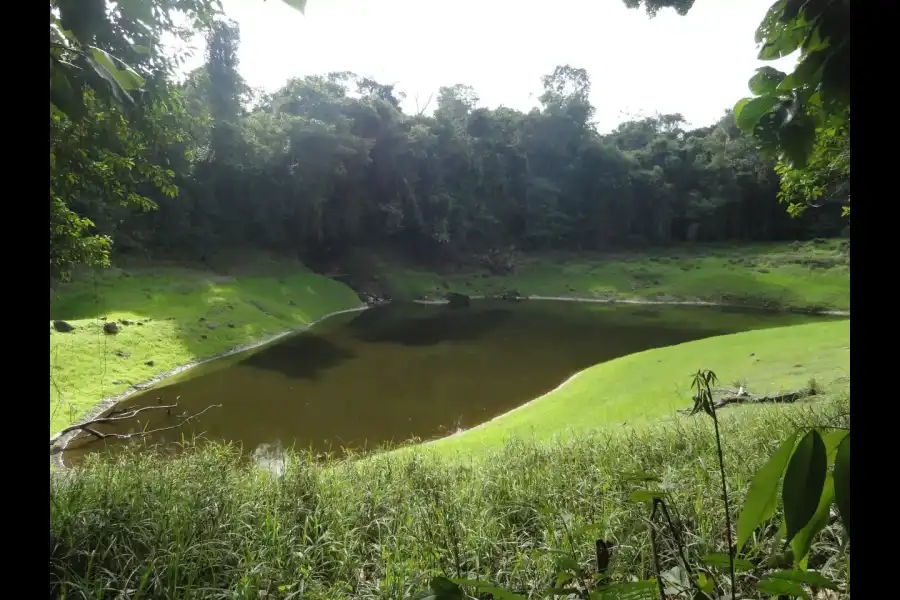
[457,300]
[110,328]
[62,326]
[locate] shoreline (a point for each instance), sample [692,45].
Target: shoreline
[107,403]
[667,302]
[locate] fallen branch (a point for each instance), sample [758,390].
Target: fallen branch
[86,426]
[744,397]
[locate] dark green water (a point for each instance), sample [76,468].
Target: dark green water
[400,371]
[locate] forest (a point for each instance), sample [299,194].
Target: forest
[190,165]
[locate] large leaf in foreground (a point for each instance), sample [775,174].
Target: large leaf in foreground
[803,483]
[842,481]
[802,541]
[763,495]
[486,588]
[441,588]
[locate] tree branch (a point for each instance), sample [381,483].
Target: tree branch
[86,426]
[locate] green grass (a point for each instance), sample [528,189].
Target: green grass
[649,386]
[166,306]
[211,525]
[810,275]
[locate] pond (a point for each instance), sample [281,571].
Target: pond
[395,372]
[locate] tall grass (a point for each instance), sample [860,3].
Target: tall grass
[210,524]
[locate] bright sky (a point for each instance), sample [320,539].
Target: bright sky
[697,65]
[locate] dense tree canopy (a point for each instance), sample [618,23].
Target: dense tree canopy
[331,161]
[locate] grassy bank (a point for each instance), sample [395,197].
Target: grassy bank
[380,528]
[812,275]
[168,317]
[649,386]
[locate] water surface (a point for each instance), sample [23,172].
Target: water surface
[400,371]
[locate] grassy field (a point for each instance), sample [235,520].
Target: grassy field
[211,525]
[649,386]
[175,316]
[812,275]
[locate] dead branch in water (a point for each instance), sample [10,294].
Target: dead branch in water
[745,397]
[125,415]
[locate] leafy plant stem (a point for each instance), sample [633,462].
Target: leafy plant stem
[725,500]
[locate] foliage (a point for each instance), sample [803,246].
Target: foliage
[114,118]
[804,116]
[826,177]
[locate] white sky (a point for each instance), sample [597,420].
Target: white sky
[697,65]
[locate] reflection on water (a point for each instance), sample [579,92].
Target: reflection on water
[401,371]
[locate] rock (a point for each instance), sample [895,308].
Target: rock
[203,336]
[201,319]
[149,363]
[512,295]
[291,303]
[62,326]
[212,326]
[457,300]
[126,322]
[121,354]
[140,322]
[110,328]
[231,325]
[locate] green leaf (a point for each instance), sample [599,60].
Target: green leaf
[633,590]
[832,439]
[765,81]
[797,139]
[645,496]
[842,481]
[496,592]
[126,77]
[567,563]
[720,560]
[638,476]
[705,583]
[441,588]
[807,72]
[763,495]
[748,111]
[803,483]
[810,577]
[101,70]
[780,587]
[297,4]
[803,539]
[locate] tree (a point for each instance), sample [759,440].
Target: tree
[112,112]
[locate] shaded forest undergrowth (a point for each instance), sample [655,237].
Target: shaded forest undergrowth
[383,526]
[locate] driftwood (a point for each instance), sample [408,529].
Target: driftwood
[123,415]
[742,396]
